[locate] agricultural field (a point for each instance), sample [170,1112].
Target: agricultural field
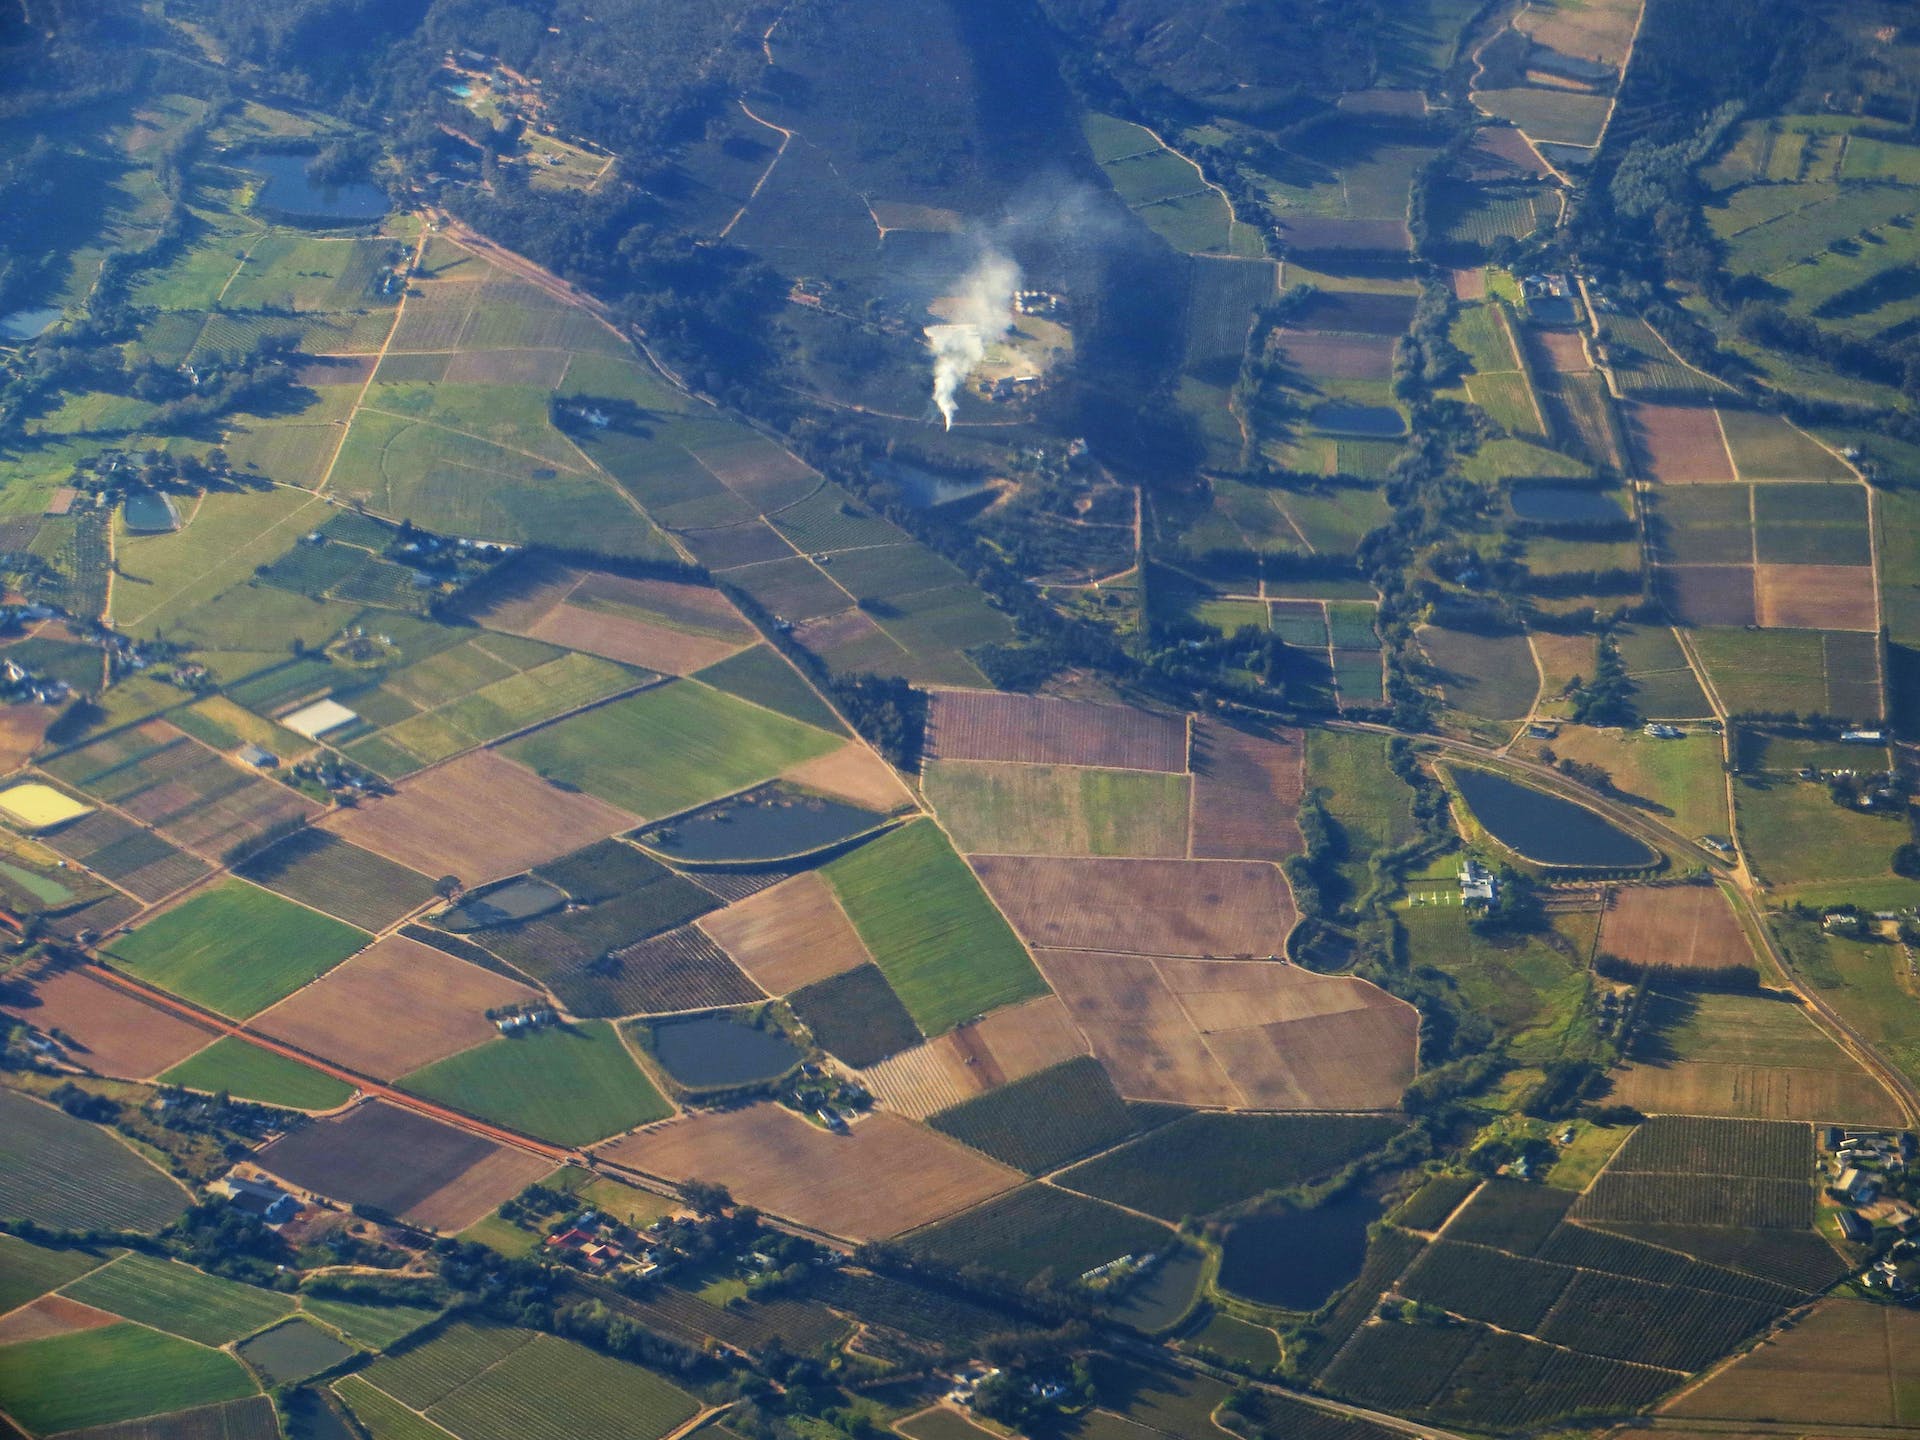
[1682,927]
[856,1016]
[451,1180]
[68,1174]
[1489,677]
[1167,191]
[1044,1121]
[1013,1042]
[974,725]
[1806,672]
[997,808]
[180,1300]
[1795,834]
[884,1177]
[236,949]
[571,1084]
[1204,1162]
[118,1372]
[1682,781]
[1039,1228]
[789,935]
[110,1031]
[1759,1057]
[1845,1364]
[931,930]
[247,1072]
[1213,908]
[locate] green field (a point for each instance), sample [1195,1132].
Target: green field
[1794,834]
[179,1299]
[670,748]
[999,809]
[71,1175]
[384,1417]
[236,949]
[249,1073]
[569,1084]
[1681,781]
[944,948]
[1039,1228]
[760,674]
[377,1326]
[28,1271]
[1372,806]
[1531,986]
[1044,1120]
[119,1372]
[1204,1162]
[1866,981]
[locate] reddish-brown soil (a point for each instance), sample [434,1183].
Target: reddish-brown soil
[1246,793]
[1689,927]
[987,725]
[1678,444]
[1815,597]
[114,1033]
[1213,908]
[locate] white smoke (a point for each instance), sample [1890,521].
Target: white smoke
[981,311]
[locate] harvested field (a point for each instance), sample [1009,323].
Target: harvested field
[444,821]
[1011,1043]
[1314,235]
[1562,351]
[1848,1363]
[1257,1034]
[113,1032]
[1153,907]
[987,725]
[659,625]
[1359,312]
[788,936]
[51,1315]
[1687,927]
[1318,353]
[430,1006]
[885,1176]
[1762,1092]
[1007,808]
[1816,597]
[451,1178]
[1246,793]
[1707,594]
[853,773]
[1678,445]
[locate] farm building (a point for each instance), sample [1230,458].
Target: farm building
[257,756]
[1854,1228]
[1477,885]
[313,721]
[1855,1186]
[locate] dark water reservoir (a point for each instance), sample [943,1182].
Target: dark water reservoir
[1567,505]
[288,190]
[711,1050]
[1296,1259]
[770,823]
[1545,828]
[147,512]
[1343,417]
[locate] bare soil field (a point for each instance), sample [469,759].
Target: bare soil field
[446,821]
[1559,350]
[51,1315]
[986,725]
[1246,793]
[1753,1092]
[1685,926]
[1145,907]
[1707,594]
[1815,597]
[1847,1363]
[1339,357]
[1007,1045]
[394,1007]
[789,936]
[1309,234]
[655,624]
[117,1034]
[1237,1033]
[855,774]
[1678,444]
[1360,312]
[22,728]
[1468,284]
[1501,152]
[1602,33]
[402,1162]
[885,1176]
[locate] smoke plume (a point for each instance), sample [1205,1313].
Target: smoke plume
[982,311]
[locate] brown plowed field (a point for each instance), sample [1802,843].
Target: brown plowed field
[1815,597]
[654,624]
[986,725]
[52,1315]
[394,1007]
[764,475]
[789,936]
[1339,357]
[1007,1045]
[1849,1363]
[1259,1034]
[480,817]
[1468,284]
[22,729]
[402,1162]
[1753,1092]
[1678,444]
[1306,234]
[886,1176]
[1142,907]
[1707,594]
[1499,151]
[1246,793]
[1685,926]
[855,774]
[1560,350]
[118,1034]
